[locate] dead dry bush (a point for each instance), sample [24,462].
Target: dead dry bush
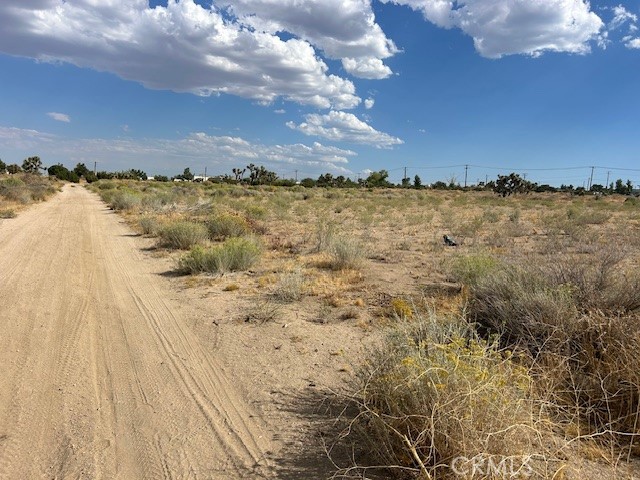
[578,319]
[435,395]
[592,379]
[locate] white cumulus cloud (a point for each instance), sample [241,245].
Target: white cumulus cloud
[344,127]
[368,103]
[182,46]
[369,67]
[60,117]
[342,29]
[633,43]
[507,27]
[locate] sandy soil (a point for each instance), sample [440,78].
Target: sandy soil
[109,370]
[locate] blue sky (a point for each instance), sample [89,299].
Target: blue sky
[547,88]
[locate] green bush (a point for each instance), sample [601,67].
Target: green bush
[235,254]
[12,181]
[227,225]
[106,185]
[469,269]
[183,234]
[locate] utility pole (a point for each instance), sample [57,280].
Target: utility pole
[296,176]
[95,166]
[607,184]
[205,173]
[466,170]
[405,174]
[591,178]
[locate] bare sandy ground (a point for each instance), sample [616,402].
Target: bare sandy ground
[100,377]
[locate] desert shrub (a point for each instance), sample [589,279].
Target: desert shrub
[401,308]
[520,305]
[7,213]
[39,193]
[149,225]
[515,215]
[290,287]
[105,185]
[469,269]
[256,212]
[26,188]
[325,233]
[183,234]
[592,378]
[227,225]
[434,392]
[491,215]
[12,181]
[156,200]
[582,216]
[263,312]
[14,189]
[600,282]
[579,321]
[235,254]
[120,200]
[346,253]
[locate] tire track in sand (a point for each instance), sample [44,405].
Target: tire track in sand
[101,379]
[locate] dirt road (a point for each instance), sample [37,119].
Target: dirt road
[100,378]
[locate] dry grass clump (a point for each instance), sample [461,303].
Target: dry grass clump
[434,396]
[290,287]
[183,234]
[7,213]
[263,312]
[235,254]
[325,234]
[149,225]
[346,253]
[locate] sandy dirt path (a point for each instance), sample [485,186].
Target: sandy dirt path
[100,377]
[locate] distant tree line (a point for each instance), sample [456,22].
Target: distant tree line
[504,185]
